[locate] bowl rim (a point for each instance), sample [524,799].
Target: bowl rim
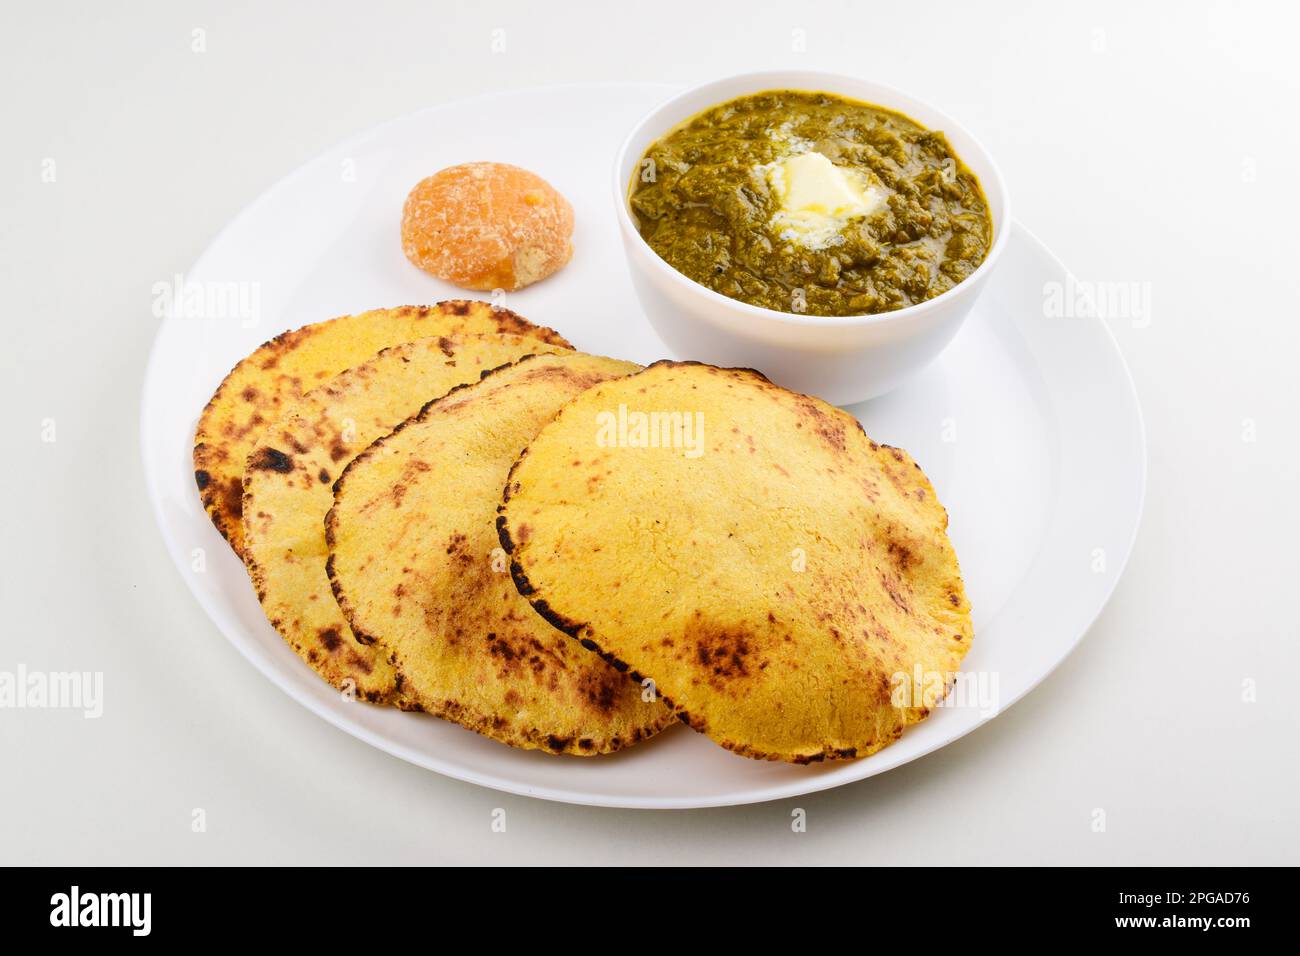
[820,81]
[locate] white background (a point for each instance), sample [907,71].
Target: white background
[1143,142]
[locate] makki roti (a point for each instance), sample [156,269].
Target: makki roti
[417,568]
[257,390]
[777,574]
[288,480]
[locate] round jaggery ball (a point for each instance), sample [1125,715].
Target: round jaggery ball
[487,226]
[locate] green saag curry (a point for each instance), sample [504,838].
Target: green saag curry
[708,198]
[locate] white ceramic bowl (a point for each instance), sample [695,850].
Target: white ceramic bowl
[843,359]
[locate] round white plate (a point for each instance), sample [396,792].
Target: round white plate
[1028,426]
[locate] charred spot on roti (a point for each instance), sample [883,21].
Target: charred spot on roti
[827,423]
[230,497]
[723,652]
[271,459]
[902,555]
[331,638]
[602,689]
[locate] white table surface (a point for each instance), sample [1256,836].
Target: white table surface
[1142,143]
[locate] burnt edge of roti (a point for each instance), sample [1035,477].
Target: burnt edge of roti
[382,698]
[583,632]
[501,730]
[210,494]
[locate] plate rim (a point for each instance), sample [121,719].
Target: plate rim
[786,790]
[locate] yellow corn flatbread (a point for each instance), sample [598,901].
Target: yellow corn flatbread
[259,388]
[417,568]
[786,582]
[288,480]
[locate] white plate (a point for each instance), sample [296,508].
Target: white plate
[1029,428]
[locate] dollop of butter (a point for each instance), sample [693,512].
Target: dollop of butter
[817,198]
